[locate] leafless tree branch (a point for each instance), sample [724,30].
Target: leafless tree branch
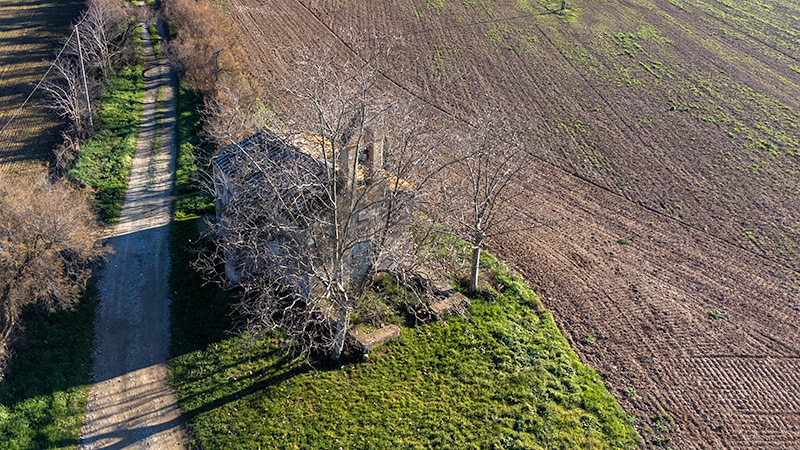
[48,239]
[309,221]
[477,190]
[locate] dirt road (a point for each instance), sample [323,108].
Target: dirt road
[132,405]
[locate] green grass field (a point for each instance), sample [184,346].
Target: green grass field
[503,378]
[192,200]
[43,398]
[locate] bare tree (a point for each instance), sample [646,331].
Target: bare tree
[479,187]
[89,52]
[102,31]
[309,215]
[206,48]
[48,238]
[65,92]
[233,113]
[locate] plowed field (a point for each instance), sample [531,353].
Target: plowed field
[666,187]
[30,31]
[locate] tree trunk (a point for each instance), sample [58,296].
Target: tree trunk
[342,323]
[6,314]
[473,279]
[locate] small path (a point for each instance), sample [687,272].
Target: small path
[132,405]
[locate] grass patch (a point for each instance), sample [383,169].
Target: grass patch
[136,44]
[662,425]
[43,398]
[200,313]
[716,314]
[192,199]
[153,31]
[505,378]
[104,162]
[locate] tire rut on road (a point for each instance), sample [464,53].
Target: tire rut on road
[132,405]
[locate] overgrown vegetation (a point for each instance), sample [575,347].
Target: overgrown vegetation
[43,398]
[49,239]
[503,378]
[201,29]
[44,395]
[81,72]
[104,162]
[201,313]
[192,199]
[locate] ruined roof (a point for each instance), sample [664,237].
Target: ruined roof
[229,159]
[304,149]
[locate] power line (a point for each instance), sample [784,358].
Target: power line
[16,112]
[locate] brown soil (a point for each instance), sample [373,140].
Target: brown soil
[30,32]
[672,124]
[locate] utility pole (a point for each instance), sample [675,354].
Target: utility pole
[83,74]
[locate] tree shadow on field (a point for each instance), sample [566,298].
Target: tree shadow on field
[201,313]
[38,27]
[51,353]
[50,364]
[21,144]
[282,369]
[203,320]
[47,14]
[124,440]
[555,12]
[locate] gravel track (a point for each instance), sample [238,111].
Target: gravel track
[132,406]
